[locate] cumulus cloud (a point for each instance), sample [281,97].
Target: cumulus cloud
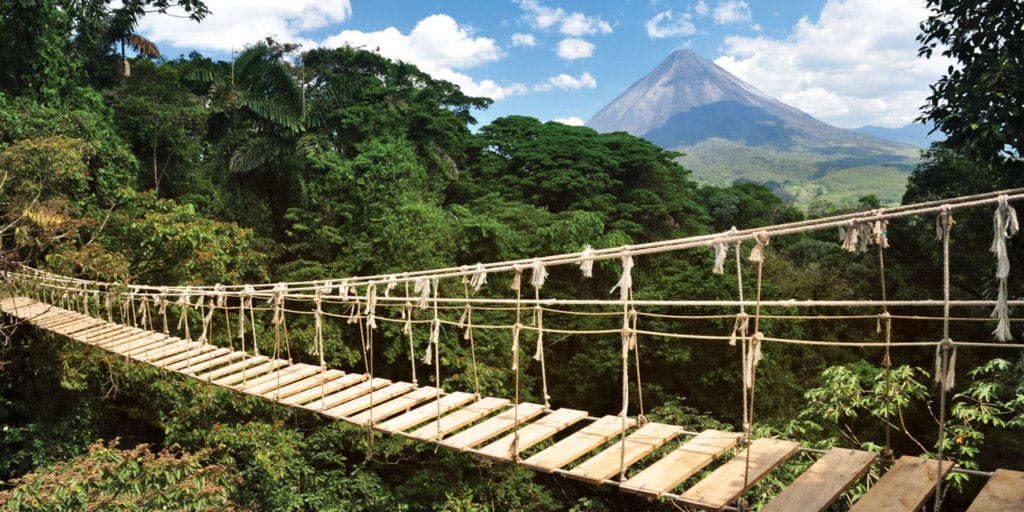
[234,24]
[571,121]
[569,82]
[701,8]
[665,24]
[732,11]
[524,40]
[573,48]
[573,24]
[439,46]
[869,75]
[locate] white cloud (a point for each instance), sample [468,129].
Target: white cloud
[438,45]
[569,82]
[435,42]
[573,24]
[702,8]
[234,24]
[665,24]
[571,121]
[524,40]
[870,73]
[572,49]
[732,11]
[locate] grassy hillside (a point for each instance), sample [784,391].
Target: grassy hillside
[802,173]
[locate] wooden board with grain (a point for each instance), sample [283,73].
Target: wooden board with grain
[459,418]
[619,456]
[223,370]
[211,362]
[426,412]
[170,349]
[497,425]
[382,412]
[1003,491]
[905,487]
[279,379]
[344,395]
[326,388]
[531,434]
[682,463]
[372,398]
[821,484]
[249,372]
[732,479]
[184,362]
[578,444]
[316,380]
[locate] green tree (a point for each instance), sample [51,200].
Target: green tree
[979,102]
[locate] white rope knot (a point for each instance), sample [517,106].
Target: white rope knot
[318,321]
[343,290]
[849,235]
[721,252]
[880,231]
[1005,226]
[943,223]
[516,329]
[244,303]
[277,300]
[761,239]
[538,312]
[753,357]
[538,274]
[422,287]
[945,375]
[479,278]
[587,261]
[392,283]
[407,316]
[517,279]
[739,327]
[625,283]
[218,292]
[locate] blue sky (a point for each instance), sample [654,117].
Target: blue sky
[847,62]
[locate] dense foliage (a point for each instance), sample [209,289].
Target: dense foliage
[284,165]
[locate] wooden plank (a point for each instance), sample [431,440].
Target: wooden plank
[170,349]
[132,344]
[823,482]
[112,345]
[54,320]
[166,351]
[497,425]
[83,328]
[184,360]
[346,394]
[211,363]
[1003,491]
[325,390]
[372,398]
[733,478]
[426,412]
[227,370]
[906,486]
[96,334]
[531,434]
[682,463]
[458,419]
[613,459]
[249,372]
[280,379]
[394,406]
[313,381]
[578,444]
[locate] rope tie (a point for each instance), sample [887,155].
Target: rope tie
[392,284]
[435,335]
[1006,225]
[407,330]
[277,301]
[538,274]
[343,290]
[244,303]
[587,261]
[422,287]
[162,308]
[371,306]
[848,236]
[625,283]
[184,302]
[721,251]
[945,363]
[467,323]
[516,329]
[753,357]
[739,327]
[761,239]
[479,278]
[318,324]
[943,223]
[207,320]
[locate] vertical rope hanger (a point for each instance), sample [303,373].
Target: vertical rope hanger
[466,323]
[625,287]
[517,285]
[752,352]
[537,278]
[945,350]
[1006,225]
[881,239]
[407,330]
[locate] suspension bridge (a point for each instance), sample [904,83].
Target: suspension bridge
[706,470]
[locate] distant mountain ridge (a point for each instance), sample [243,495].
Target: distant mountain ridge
[730,130]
